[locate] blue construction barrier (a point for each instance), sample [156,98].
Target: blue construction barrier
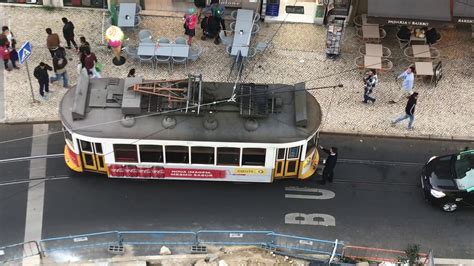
[102,245]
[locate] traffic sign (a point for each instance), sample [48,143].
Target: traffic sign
[24,52]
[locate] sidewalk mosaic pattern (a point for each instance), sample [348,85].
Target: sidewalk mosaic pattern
[296,54]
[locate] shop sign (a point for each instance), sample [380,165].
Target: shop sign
[407,22]
[249,171]
[158,172]
[465,20]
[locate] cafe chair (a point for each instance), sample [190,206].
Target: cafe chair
[408,52]
[226,40]
[403,43]
[232,26]
[228,50]
[163,40]
[255,28]
[195,52]
[438,74]
[252,52]
[386,65]
[179,60]
[383,33]
[357,21]
[181,40]
[138,21]
[359,62]
[434,53]
[146,59]
[132,52]
[145,36]
[234,14]
[256,17]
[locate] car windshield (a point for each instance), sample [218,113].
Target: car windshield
[464,167]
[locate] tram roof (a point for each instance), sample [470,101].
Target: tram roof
[107,121]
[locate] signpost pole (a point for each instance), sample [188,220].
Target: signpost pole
[29,81]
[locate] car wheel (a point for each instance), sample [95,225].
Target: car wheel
[449,207]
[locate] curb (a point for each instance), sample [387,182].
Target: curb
[418,137]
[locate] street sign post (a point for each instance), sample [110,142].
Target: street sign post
[23,56]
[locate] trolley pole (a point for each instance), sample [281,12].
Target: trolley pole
[29,81]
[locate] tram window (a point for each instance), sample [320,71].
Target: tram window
[86,146]
[281,154]
[202,155]
[228,156]
[293,153]
[151,153]
[126,153]
[310,146]
[251,156]
[98,148]
[176,154]
[67,136]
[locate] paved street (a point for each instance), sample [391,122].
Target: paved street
[377,199]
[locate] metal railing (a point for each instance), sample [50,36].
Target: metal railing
[102,245]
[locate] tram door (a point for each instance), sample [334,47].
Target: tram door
[92,156]
[287,162]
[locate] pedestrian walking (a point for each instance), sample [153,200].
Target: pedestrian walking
[217,11]
[59,66]
[41,74]
[408,77]
[409,111]
[329,164]
[83,45]
[52,41]
[190,21]
[89,63]
[8,48]
[370,81]
[131,73]
[68,33]
[210,26]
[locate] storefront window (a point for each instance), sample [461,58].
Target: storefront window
[86,3]
[39,2]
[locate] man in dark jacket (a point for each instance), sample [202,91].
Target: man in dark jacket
[330,164]
[210,26]
[68,32]
[59,66]
[409,111]
[41,74]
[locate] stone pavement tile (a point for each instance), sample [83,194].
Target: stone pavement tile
[296,54]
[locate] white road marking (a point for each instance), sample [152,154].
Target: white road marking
[21,181]
[19,159]
[35,202]
[322,194]
[310,219]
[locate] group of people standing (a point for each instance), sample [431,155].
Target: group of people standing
[8,51]
[59,58]
[211,24]
[405,91]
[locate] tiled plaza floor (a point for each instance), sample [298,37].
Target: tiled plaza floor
[296,54]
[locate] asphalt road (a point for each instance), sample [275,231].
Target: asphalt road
[377,202]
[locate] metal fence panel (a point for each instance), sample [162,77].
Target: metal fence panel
[376,254]
[216,237]
[296,244]
[79,247]
[150,242]
[18,251]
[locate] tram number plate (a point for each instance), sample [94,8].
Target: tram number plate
[236,235]
[80,239]
[306,242]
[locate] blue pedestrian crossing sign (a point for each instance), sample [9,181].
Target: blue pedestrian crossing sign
[24,52]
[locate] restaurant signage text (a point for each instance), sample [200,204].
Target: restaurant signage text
[408,22]
[465,20]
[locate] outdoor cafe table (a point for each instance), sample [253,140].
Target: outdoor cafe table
[421,51]
[374,62]
[424,68]
[163,49]
[243,32]
[126,16]
[370,32]
[372,49]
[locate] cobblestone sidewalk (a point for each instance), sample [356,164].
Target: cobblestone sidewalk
[296,54]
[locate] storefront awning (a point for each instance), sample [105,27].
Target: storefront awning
[409,12]
[463,11]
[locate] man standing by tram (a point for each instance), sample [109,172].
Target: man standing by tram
[329,165]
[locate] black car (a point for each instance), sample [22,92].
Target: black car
[448,181]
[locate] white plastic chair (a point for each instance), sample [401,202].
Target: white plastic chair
[145,36]
[226,40]
[181,40]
